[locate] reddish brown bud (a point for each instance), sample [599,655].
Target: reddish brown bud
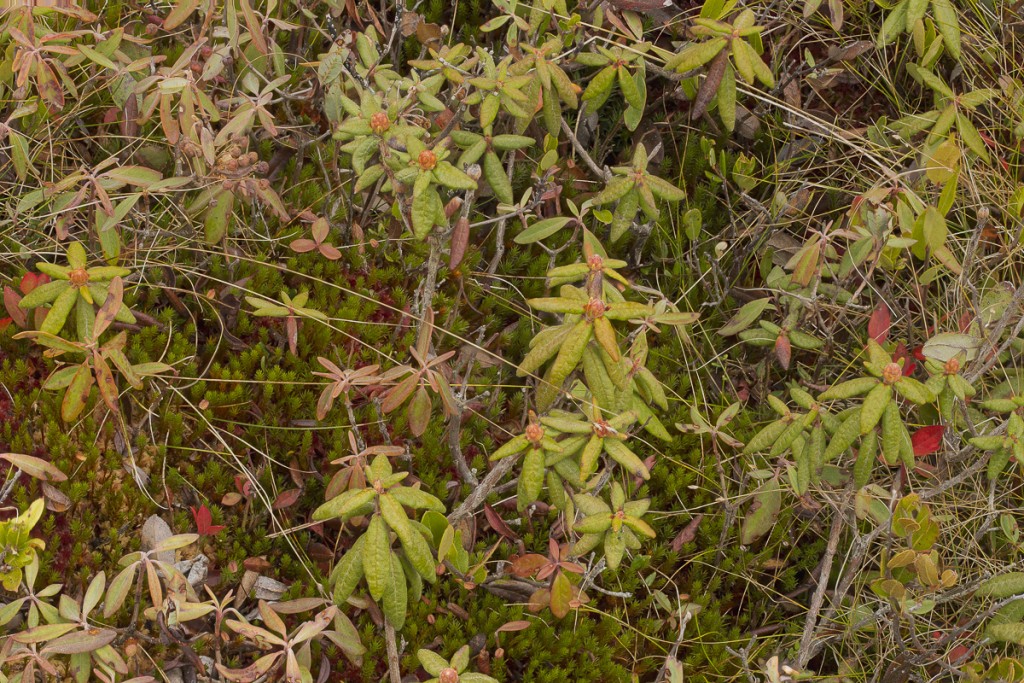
[379,122]
[594,309]
[79,277]
[427,160]
[892,373]
[534,433]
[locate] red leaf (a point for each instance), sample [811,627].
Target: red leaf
[909,363]
[927,440]
[204,521]
[513,626]
[11,301]
[878,325]
[498,524]
[459,241]
[286,499]
[30,281]
[243,485]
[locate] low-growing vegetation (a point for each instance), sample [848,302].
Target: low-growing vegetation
[511,340]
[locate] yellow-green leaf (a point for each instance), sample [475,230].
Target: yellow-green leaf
[377,557]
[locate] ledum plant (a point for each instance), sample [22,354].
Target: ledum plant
[909,16]
[585,441]
[74,288]
[388,574]
[634,188]
[816,437]
[728,48]
[622,69]
[588,314]
[615,527]
[99,358]
[387,150]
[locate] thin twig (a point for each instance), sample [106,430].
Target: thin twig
[480,493]
[602,173]
[389,637]
[811,622]
[684,619]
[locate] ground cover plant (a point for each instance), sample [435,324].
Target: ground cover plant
[502,340]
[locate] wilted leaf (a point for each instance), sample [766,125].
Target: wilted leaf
[513,626]
[34,467]
[419,412]
[687,535]
[946,345]
[498,524]
[763,512]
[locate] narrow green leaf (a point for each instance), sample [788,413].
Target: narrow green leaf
[377,557]
[415,546]
[695,55]
[874,406]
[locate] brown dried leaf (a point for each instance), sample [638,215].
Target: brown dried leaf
[498,524]
[513,626]
[687,535]
[709,86]
[56,500]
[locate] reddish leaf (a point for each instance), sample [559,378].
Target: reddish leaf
[909,363]
[513,626]
[419,412]
[460,238]
[257,564]
[527,565]
[30,281]
[498,524]
[329,251]
[321,229]
[927,440]
[231,498]
[879,324]
[291,326]
[783,351]
[302,245]
[286,499]
[105,383]
[11,301]
[243,485]
[204,521]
